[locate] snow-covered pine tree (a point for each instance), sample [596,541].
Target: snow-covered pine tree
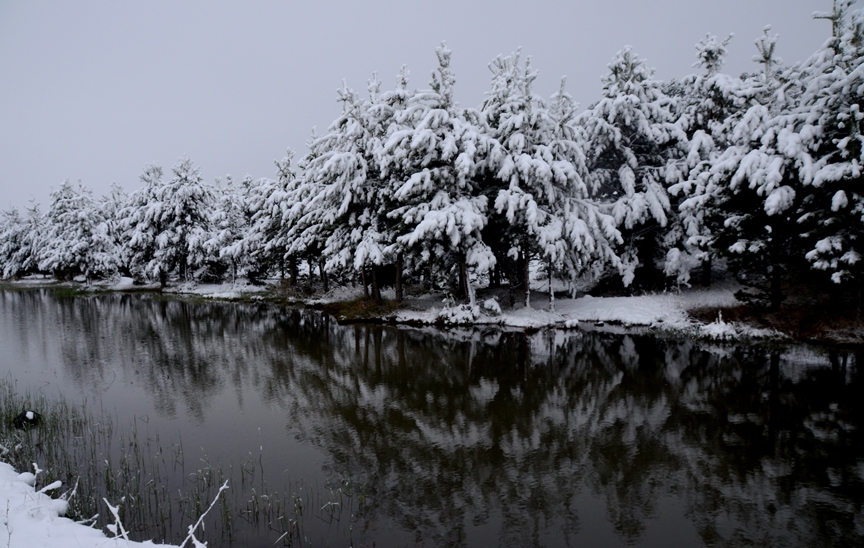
[831,111]
[254,194]
[11,236]
[275,208]
[755,183]
[536,179]
[26,259]
[349,205]
[431,159]
[74,242]
[229,221]
[707,101]
[140,222]
[111,205]
[185,212]
[632,134]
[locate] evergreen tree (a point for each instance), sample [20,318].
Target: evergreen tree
[431,160]
[707,101]
[831,126]
[275,208]
[185,210]
[76,239]
[112,206]
[537,172]
[12,232]
[140,222]
[632,134]
[230,220]
[348,197]
[755,183]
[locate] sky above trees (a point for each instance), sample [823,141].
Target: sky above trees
[95,90]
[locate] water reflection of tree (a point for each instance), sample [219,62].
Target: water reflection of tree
[450,430]
[469,429]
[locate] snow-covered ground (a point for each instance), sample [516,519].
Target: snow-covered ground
[32,519]
[667,311]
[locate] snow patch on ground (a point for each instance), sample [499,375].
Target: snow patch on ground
[662,310]
[32,519]
[226,291]
[343,294]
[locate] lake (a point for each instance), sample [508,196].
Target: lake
[365,435]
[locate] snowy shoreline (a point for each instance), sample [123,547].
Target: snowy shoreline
[33,519]
[664,312]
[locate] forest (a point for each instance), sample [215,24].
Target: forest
[654,186]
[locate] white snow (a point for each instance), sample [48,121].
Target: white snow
[32,519]
[667,311]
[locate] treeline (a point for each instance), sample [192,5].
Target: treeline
[648,185]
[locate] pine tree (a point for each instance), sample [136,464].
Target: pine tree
[111,206]
[632,134]
[430,161]
[230,220]
[12,232]
[831,126]
[755,183]
[76,241]
[185,212]
[349,201]
[707,101]
[166,223]
[275,208]
[537,178]
[140,222]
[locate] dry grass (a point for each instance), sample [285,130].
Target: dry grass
[360,310]
[806,314]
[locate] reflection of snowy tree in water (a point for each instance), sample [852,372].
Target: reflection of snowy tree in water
[449,430]
[444,438]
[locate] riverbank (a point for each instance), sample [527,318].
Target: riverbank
[709,313]
[32,519]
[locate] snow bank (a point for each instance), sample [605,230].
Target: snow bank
[663,310]
[32,519]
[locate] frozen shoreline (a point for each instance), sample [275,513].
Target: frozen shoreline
[32,519]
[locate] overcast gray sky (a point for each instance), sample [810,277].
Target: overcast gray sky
[94,90]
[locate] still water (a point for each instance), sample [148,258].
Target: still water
[475,437]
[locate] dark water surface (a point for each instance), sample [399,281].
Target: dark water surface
[475,437]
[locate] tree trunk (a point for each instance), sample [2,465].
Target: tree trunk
[495,277]
[323,274]
[466,280]
[431,278]
[551,291]
[706,271]
[365,283]
[526,260]
[512,277]
[776,288]
[399,277]
[376,290]
[462,292]
[860,310]
[292,271]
